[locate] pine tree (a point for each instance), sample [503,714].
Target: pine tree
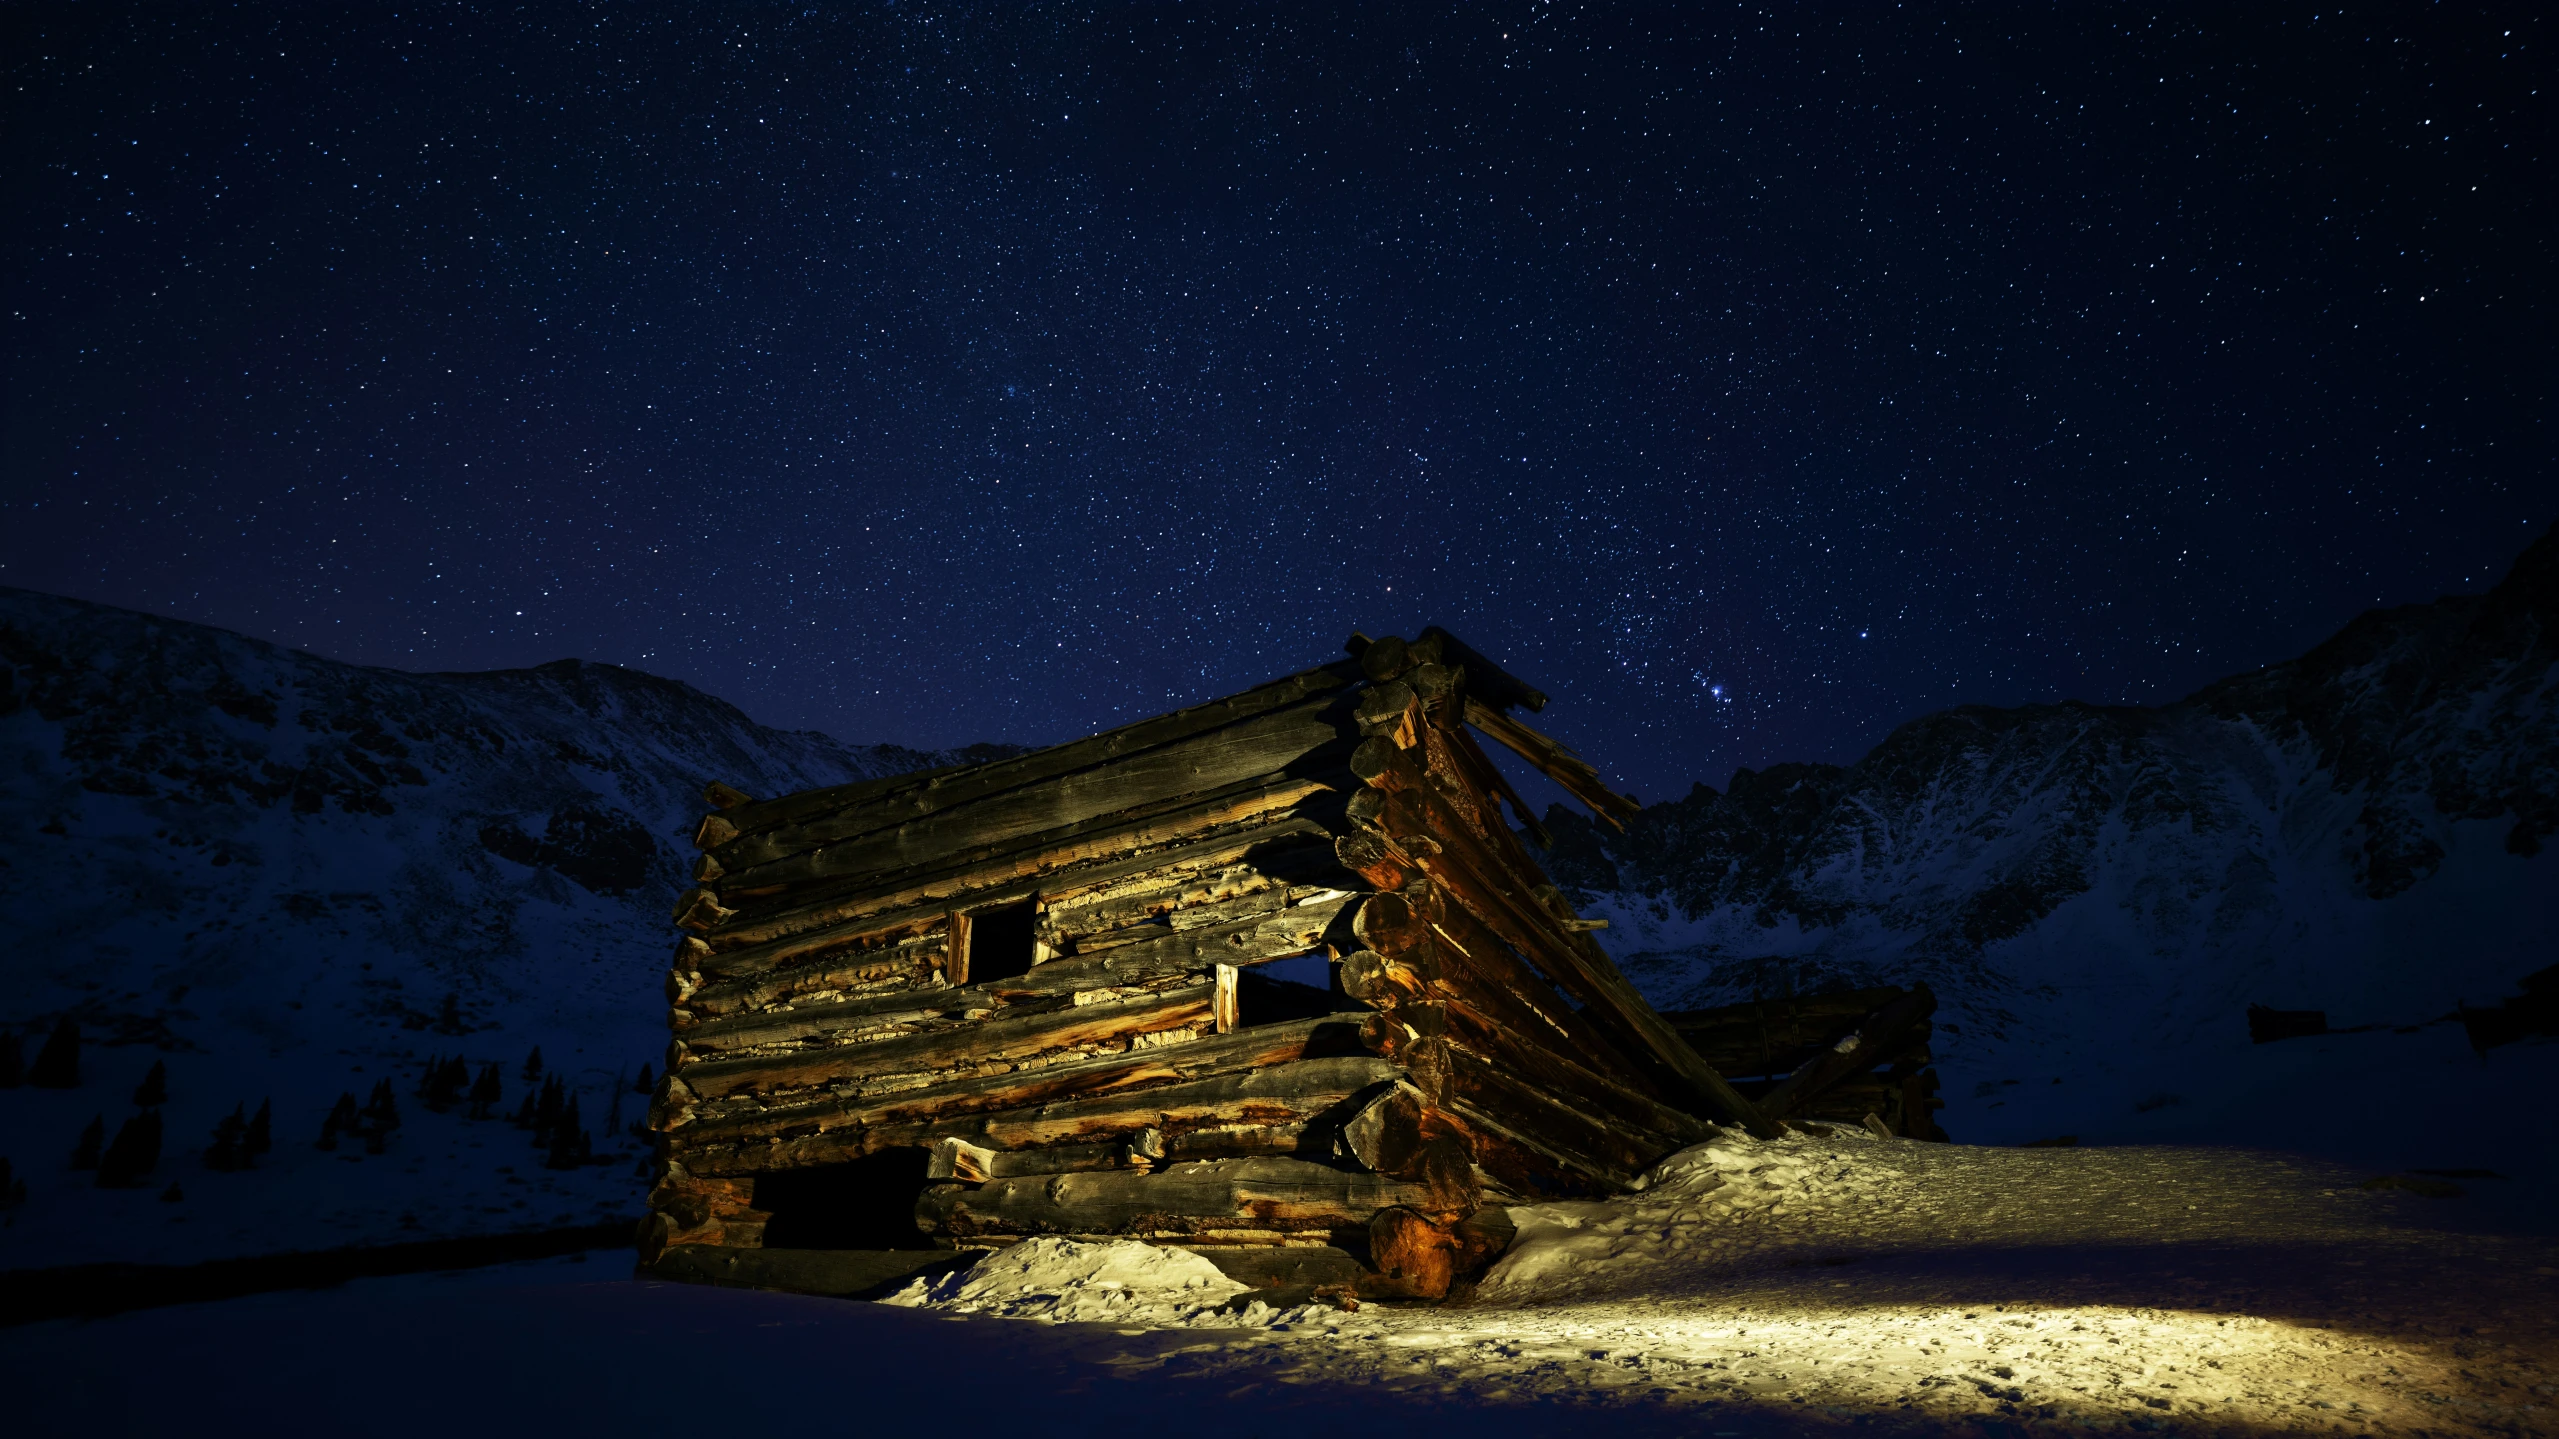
[57,1065]
[533,1065]
[381,1116]
[647,1082]
[442,1088]
[449,1020]
[84,1155]
[546,1114]
[261,1135]
[525,1114]
[486,1091]
[224,1155]
[153,1091]
[172,1194]
[13,1061]
[569,1144]
[342,1120]
[134,1152]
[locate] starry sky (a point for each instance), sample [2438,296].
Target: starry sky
[1751,380]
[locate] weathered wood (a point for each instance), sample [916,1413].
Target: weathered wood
[1252,806]
[1002,1040]
[834,1273]
[829,1128]
[1202,1197]
[1477,769]
[1222,1004]
[969,781]
[1773,1036]
[1407,1244]
[1577,776]
[1478,968]
[1876,1040]
[1572,960]
[1486,680]
[1482,1091]
[1260,746]
[721,796]
[1284,1096]
[919,962]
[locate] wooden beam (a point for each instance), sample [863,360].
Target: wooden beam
[1874,1042]
[1575,774]
[1234,1196]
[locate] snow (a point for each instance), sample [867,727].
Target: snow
[1067,1280]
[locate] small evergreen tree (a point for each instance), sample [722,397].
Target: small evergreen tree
[647,1082]
[342,1120]
[546,1114]
[525,1113]
[533,1065]
[486,1091]
[172,1194]
[225,1153]
[570,1146]
[13,1061]
[134,1152]
[444,1082]
[381,1116]
[449,1019]
[84,1155]
[261,1135]
[57,1065]
[153,1091]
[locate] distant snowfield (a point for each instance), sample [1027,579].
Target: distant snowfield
[1816,1283]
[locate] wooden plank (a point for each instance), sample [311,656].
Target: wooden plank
[959,783]
[1248,806]
[1252,939]
[1883,1034]
[1259,746]
[1291,844]
[1497,686]
[1456,858]
[1281,1096]
[762,1125]
[1578,778]
[1209,1196]
[989,1041]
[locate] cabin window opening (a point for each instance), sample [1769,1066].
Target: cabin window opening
[1277,991]
[988,945]
[866,1204]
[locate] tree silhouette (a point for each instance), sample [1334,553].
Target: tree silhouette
[154,1088]
[13,1190]
[342,1120]
[13,1061]
[533,1065]
[57,1065]
[133,1154]
[261,1135]
[381,1115]
[570,1146]
[647,1082]
[84,1155]
[227,1152]
[486,1091]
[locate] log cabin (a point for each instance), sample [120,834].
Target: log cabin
[1272,977]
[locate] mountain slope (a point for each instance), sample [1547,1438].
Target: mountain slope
[290,877]
[2097,893]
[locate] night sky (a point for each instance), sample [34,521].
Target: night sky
[1751,381]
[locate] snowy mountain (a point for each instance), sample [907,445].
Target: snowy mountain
[290,878]
[2098,893]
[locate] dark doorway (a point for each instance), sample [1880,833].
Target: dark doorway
[1000,942]
[867,1204]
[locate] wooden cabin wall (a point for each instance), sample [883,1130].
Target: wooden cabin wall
[825,1010]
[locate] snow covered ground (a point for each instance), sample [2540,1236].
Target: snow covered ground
[1815,1284]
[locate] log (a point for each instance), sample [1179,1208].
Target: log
[1482,1092]
[960,782]
[1477,769]
[1280,1196]
[918,963]
[1557,763]
[1407,1245]
[1883,1033]
[1005,1040]
[1291,845]
[1490,682]
[1474,967]
[832,1128]
[1252,806]
[1289,1095]
[1259,746]
[721,796]
[1572,960]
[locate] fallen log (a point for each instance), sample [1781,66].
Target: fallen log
[1882,1035]
[1575,774]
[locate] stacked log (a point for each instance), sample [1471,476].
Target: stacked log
[1839,1056]
[1042,977]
